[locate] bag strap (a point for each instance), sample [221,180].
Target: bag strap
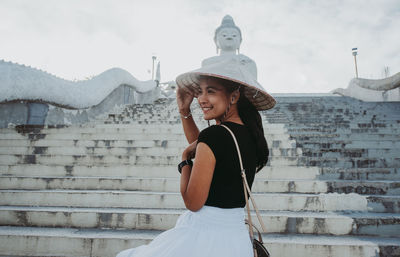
[246,188]
[258,231]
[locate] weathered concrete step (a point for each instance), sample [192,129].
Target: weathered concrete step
[320,245]
[172,185]
[147,199]
[357,116]
[346,137]
[124,129]
[31,241]
[151,184]
[65,151]
[351,162]
[163,171]
[343,137]
[144,127]
[63,242]
[102,129]
[296,129]
[273,143]
[350,150]
[163,149]
[380,224]
[301,129]
[391,128]
[371,187]
[115,140]
[92,143]
[345,153]
[93,135]
[390,203]
[329,173]
[349,144]
[322,117]
[161,159]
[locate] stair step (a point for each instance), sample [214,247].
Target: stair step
[127,129]
[348,144]
[97,242]
[351,162]
[92,143]
[356,139]
[146,199]
[260,185]
[143,159]
[330,173]
[389,203]
[299,129]
[273,143]
[114,136]
[164,171]
[380,224]
[370,187]
[161,149]
[151,184]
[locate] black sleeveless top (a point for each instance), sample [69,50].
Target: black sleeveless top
[226,190]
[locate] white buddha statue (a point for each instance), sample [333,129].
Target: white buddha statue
[228,38]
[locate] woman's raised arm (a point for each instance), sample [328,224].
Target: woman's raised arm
[184,98]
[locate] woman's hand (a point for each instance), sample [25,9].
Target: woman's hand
[184,98]
[190,151]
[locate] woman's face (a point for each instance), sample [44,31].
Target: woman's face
[213,98]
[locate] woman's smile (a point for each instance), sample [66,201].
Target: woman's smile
[206,109]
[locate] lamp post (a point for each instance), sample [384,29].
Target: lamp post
[354,50]
[152,70]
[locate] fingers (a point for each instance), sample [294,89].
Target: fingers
[184,90]
[192,155]
[191,150]
[192,91]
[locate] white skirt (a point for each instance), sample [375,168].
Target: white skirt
[209,232]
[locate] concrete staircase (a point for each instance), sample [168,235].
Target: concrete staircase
[330,188]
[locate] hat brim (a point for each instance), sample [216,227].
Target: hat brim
[258,97]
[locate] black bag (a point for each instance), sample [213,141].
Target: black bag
[260,248]
[258,245]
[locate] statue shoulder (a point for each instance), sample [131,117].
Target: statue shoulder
[247,61]
[244,57]
[218,58]
[250,64]
[210,60]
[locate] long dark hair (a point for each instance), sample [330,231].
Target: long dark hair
[252,120]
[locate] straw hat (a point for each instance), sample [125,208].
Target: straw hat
[234,70]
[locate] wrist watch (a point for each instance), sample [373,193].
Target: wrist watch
[185,162]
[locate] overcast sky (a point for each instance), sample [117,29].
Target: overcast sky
[299,46]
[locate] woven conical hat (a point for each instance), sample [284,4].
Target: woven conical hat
[234,70]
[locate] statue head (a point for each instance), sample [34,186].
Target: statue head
[228,36]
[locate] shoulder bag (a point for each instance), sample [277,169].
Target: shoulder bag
[258,245]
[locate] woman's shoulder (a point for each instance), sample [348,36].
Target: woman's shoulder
[212,131]
[220,131]
[217,138]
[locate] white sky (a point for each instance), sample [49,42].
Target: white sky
[299,46]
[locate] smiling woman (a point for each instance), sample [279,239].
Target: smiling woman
[214,100]
[211,185]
